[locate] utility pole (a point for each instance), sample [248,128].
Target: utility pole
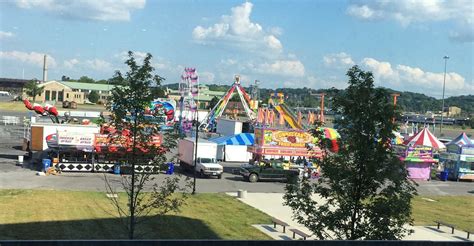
[45,69]
[195,151]
[444,86]
[321,112]
[395,96]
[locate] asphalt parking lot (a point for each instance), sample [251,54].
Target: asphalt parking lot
[16,177]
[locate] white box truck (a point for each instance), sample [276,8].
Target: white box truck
[206,157]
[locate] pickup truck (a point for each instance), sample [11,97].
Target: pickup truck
[209,167]
[273,171]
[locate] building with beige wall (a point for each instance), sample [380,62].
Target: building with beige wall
[60,91]
[454,111]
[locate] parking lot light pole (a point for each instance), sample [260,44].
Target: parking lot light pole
[195,151]
[444,85]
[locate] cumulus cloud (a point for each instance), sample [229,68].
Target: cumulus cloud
[71,63]
[293,68]
[206,77]
[403,77]
[238,30]
[138,55]
[103,10]
[407,12]
[98,65]
[5,35]
[340,60]
[33,58]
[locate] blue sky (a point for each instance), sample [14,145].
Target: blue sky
[280,43]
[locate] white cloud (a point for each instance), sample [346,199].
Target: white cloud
[206,77]
[339,60]
[363,12]
[70,64]
[138,55]
[238,30]
[98,65]
[407,12]
[228,61]
[103,10]
[293,68]
[5,35]
[382,69]
[403,77]
[33,58]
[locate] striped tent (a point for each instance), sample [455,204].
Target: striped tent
[461,140]
[238,139]
[425,138]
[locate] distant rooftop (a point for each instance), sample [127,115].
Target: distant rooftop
[87,86]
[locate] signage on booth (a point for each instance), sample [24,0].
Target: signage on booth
[419,152]
[467,151]
[75,138]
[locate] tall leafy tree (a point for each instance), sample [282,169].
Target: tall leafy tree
[128,107]
[93,97]
[213,102]
[364,192]
[33,89]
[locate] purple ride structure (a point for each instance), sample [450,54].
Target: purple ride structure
[189,90]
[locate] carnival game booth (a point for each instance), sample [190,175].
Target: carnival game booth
[425,138]
[459,158]
[71,151]
[111,151]
[234,148]
[418,161]
[419,154]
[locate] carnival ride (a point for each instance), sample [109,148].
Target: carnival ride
[46,110]
[188,89]
[276,106]
[86,151]
[209,122]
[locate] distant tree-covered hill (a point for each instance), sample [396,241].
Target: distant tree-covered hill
[307,97]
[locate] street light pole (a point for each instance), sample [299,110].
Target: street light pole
[444,86]
[195,151]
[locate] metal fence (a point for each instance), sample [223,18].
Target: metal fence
[13,129]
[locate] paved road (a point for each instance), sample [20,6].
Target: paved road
[16,177]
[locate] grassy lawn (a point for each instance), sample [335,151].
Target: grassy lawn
[38,214]
[12,106]
[456,210]
[19,106]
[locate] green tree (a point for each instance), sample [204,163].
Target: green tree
[33,89]
[213,102]
[128,117]
[93,97]
[102,81]
[364,192]
[85,79]
[158,91]
[117,79]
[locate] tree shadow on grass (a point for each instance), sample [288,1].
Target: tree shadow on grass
[155,227]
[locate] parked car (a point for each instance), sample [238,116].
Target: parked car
[270,170]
